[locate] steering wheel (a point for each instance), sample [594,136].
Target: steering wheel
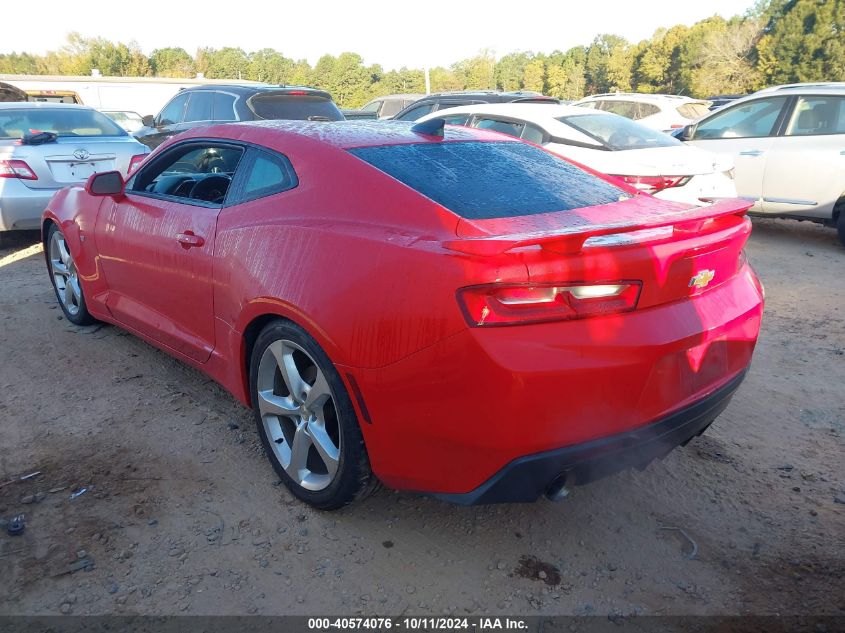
[211,189]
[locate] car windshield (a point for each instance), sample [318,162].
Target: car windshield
[617,132]
[483,180]
[61,121]
[296,107]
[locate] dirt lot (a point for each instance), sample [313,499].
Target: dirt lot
[182,513]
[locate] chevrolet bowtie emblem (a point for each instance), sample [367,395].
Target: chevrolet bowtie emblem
[702,279]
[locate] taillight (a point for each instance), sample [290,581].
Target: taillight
[515,304]
[653,184]
[16,169]
[136,160]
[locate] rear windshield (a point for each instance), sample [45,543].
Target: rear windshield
[618,133]
[483,180]
[299,107]
[61,121]
[693,110]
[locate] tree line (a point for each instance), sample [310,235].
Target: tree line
[777,41]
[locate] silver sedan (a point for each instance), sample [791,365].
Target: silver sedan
[47,146]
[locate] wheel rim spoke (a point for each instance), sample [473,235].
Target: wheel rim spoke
[318,393]
[290,373]
[271,404]
[328,452]
[297,466]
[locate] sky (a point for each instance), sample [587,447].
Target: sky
[392,33]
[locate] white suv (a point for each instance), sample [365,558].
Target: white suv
[788,147]
[659,112]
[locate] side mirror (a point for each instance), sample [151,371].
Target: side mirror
[107,183]
[687,132]
[149,120]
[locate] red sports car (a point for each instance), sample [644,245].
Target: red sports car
[448,310]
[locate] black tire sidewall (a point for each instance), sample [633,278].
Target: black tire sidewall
[353,471]
[82,317]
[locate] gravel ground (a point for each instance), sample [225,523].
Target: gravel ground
[181,513]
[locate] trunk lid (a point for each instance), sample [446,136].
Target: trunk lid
[676,251]
[71,160]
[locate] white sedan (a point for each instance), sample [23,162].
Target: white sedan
[647,159]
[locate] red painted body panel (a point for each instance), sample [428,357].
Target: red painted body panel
[368,267]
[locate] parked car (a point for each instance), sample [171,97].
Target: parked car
[203,105]
[659,112]
[130,121]
[788,143]
[383,107]
[443,100]
[647,159]
[47,146]
[371,343]
[9,93]
[719,101]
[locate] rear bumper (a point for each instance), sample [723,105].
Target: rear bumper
[446,419]
[527,478]
[20,206]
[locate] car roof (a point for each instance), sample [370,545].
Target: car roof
[528,111]
[340,134]
[404,95]
[253,89]
[639,96]
[25,105]
[835,87]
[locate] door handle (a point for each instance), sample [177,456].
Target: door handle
[188,239]
[753,152]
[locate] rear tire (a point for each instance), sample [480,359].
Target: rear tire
[65,279]
[306,420]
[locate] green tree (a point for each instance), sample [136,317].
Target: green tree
[172,62]
[509,71]
[223,63]
[270,66]
[535,75]
[804,41]
[608,64]
[477,73]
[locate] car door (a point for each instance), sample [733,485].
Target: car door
[805,168]
[167,122]
[743,133]
[156,245]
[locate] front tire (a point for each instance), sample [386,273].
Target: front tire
[306,420]
[65,279]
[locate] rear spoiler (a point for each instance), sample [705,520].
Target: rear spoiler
[570,240]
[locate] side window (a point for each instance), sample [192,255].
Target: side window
[533,133]
[196,172]
[645,109]
[628,109]
[199,106]
[224,107]
[415,113]
[753,119]
[505,127]
[590,104]
[817,115]
[372,106]
[173,111]
[261,174]
[390,107]
[455,119]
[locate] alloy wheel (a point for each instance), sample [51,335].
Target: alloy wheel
[297,409]
[65,275]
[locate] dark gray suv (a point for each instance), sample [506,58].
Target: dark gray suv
[204,105]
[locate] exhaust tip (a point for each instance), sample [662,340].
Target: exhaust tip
[558,490]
